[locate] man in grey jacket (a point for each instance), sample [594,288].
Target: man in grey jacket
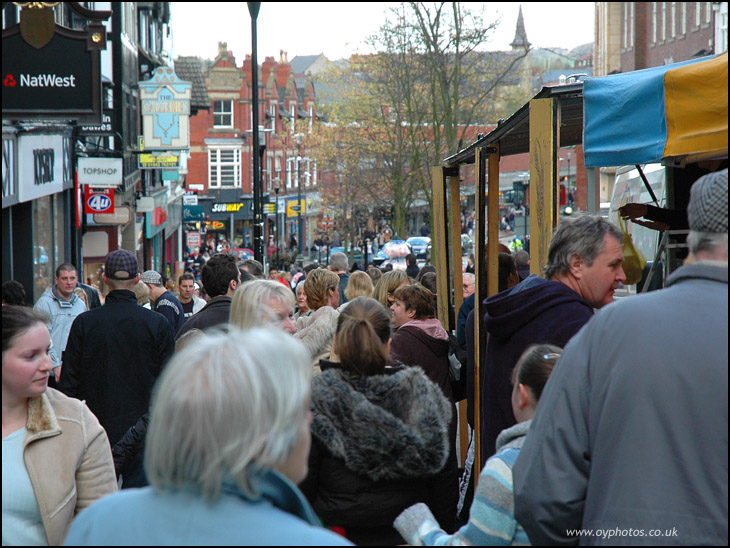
[629,444]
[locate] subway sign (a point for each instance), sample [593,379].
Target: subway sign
[61,80]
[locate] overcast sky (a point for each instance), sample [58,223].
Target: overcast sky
[339,29]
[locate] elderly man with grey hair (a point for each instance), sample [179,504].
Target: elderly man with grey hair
[632,429]
[583,270]
[339,265]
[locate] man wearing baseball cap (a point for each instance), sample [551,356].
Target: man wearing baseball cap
[630,437]
[115,353]
[165,302]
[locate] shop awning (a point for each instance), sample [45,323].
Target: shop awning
[674,111]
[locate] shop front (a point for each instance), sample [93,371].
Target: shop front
[229,221]
[37,206]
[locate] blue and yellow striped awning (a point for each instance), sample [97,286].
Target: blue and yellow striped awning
[645,116]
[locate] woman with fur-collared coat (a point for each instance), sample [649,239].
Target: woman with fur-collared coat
[56,456]
[378,433]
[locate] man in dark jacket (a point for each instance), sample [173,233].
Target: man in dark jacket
[339,265]
[583,271]
[164,301]
[115,353]
[412,268]
[220,277]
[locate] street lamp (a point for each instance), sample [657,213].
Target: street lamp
[298,138]
[253,9]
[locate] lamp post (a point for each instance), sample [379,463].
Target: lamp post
[253,9]
[298,138]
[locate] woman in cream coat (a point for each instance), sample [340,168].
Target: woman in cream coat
[56,456]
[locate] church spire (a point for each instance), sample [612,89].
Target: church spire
[520,41]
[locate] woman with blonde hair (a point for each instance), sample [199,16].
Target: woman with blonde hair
[317,330]
[379,432]
[227,444]
[359,285]
[387,284]
[259,303]
[56,456]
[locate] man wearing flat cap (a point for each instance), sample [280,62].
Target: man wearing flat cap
[114,355]
[630,437]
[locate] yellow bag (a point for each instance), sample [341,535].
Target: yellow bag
[634,261]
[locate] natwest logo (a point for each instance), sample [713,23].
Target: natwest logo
[41,81]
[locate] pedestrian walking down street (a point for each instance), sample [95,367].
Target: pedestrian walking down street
[115,354]
[163,300]
[379,433]
[632,429]
[491,518]
[226,447]
[56,457]
[61,305]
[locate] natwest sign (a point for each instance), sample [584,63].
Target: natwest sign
[41,81]
[61,80]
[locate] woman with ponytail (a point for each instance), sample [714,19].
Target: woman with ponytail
[379,431]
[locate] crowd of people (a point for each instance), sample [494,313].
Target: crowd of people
[316,406]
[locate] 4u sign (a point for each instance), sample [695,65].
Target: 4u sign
[99,200]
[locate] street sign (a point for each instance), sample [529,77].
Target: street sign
[190,200]
[194,239]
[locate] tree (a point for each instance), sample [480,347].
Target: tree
[415,101]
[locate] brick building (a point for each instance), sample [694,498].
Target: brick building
[220,167]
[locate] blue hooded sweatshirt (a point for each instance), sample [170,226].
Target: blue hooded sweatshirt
[536,311]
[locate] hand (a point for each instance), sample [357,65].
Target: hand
[632,211]
[654,225]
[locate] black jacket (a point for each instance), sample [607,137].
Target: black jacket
[376,442]
[214,313]
[113,357]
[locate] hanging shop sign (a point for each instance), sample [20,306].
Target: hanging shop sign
[99,200]
[100,172]
[61,80]
[158,160]
[156,220]
[121,216]
[105,129]
[193,213]
[165,101]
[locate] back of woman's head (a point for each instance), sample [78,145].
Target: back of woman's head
[359,285]
[535,366]
[226,408]
[316,286]
[388,283]
[363,329]
[17,320]
[250,308]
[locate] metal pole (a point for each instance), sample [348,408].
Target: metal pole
[253,9]
[299,181]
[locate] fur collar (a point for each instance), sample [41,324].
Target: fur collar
[383,426]
[41,417]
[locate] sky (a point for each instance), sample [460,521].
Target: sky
[339,29]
